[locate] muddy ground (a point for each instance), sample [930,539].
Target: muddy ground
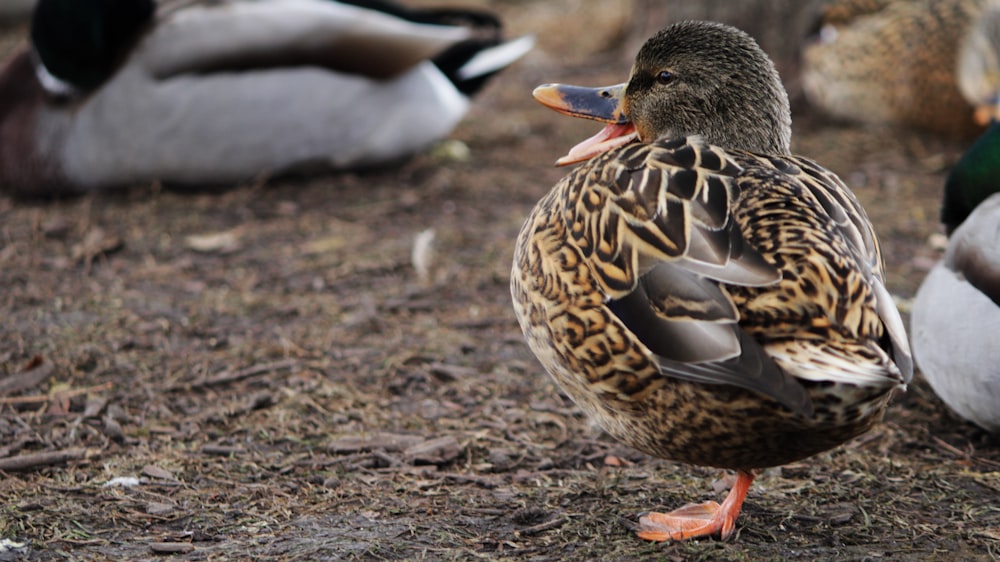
[287,383]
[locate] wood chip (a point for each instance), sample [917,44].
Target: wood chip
[159,508]
[95,403]
[113,430]
[96,242]
[449,373]
[222,450]
[33,374]
[384,441]
[434,451]
[154,471]
[171,547]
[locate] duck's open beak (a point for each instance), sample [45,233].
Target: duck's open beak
[600,104]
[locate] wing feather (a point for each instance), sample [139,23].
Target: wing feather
[659,232]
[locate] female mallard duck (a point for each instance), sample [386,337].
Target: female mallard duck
[220,92]
[956,314]
[702,293]
[894,61]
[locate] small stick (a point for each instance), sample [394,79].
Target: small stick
[226,377]
[24,463]
[541,527]
[56,395]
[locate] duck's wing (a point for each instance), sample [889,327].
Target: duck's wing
[655,223]
[237,35]
[840,204]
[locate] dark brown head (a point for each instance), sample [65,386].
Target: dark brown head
[691,78]
[708,79]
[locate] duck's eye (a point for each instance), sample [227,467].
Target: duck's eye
[665,77]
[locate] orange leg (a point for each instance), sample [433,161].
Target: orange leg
[698,520]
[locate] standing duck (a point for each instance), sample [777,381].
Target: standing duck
[110,94]
[894,61]
[703,294]
[956,313]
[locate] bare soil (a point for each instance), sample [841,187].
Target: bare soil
[286,382]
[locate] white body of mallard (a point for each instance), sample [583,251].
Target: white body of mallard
[955,326]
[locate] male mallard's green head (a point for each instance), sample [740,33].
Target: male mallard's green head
[82,42]
[974,178]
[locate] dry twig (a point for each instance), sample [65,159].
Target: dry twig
[24,463]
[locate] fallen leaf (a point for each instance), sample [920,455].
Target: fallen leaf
[215,242]
[154,471]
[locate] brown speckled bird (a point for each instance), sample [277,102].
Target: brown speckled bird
[703,294]
[894,61]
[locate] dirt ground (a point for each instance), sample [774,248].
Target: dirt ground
[286,382]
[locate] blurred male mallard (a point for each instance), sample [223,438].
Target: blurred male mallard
[894,61]
[702,293]
[217,92]
[956,315]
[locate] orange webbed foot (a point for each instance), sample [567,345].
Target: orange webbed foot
[698,520]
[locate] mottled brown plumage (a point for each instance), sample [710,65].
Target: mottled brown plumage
[893,61]
[708,304]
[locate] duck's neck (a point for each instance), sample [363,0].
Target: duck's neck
[973,179]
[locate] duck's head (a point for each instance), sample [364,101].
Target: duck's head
[978,71]
[691,78]
[81,42]
[973,179]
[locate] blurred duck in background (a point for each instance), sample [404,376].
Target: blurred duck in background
[109,93]
[895,62]
[956,314]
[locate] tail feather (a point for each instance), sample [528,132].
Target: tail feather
[436,16]
[470,64]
